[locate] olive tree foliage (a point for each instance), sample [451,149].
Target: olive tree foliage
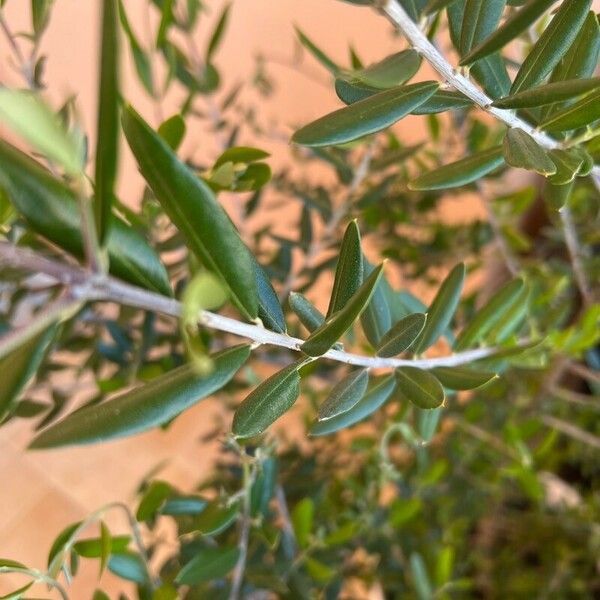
[472,472]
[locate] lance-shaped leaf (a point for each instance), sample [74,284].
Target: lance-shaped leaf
[427,421]
[129,566]
[310,316]
[28,116]
[377,394]
[376,319]
[215,518]
[549,93]
[490,315]
[193,208]
[349,90]
[349,270]
[50,208]
[569,164]
[580,114]
[19,367]
[329,64]
[108,119]
[523,152]
[419,387]
[208,564]
[402,335]
[480,18]
[145,407]
[364,117]
[552,44]
[442,308]
[461,378]
[325,336]
[269,309]
[266,403]
[217,34]
[172,131]
[461,172]
[141,60]
[345,395]
[510,29]
[581,59]
[442,101]
[391,71]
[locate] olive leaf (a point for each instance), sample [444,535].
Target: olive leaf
[349,270]
[108,119]
[144,407]
[461,172]
[266,403]
[442,309]
[191,205]
[402,335]
[365,116]
[419,387]
[345,395]
[461,378]
[325,336]
[523,152]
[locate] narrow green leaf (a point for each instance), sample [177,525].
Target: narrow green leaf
[27,115]
[512,320]
[128,566]
[193,208]
[19,367]
[108,119]
[569,164]
[172,131]
[580,114]
[184,505]
[549,93]
[105,546]
[266,403]
[480,18]
[581,59]
[442,101]
[376,319]
[321,57]
[145,407]
[391,71]
[552,44]
[442,309]
[349,270]
[350,90]
[422,585]
[373,400]
[434,6]
[40,15]
[152,500]
[419,387]
[402,335]
[92,547]
[325,336]
[365,116]
[240,154]
[269,308]
[461,172]
[523,152]
[461,378]
[141,61]
[345,395]
[492,313]
[306,311]
[414,8]
[513,26]
[215,518]
[217,35]
[428,421]
[50,208]
[209,564]
[302,520]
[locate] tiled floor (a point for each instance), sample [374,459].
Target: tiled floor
[42,492]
